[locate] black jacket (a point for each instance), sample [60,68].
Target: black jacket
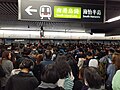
[22,81]
[57,88]
[39,68]
[44,63]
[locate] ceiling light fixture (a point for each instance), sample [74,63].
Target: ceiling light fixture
[113,19]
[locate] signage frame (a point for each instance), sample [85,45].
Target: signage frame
[81,5]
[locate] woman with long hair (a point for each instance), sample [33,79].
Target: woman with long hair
[116,78]
[7,66]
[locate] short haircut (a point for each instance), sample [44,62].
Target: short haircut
[92,78]
[17,48]
[50,74]
[112,50]
[48,54]
[89,54]
[34,52]
[27,63]
[26,51]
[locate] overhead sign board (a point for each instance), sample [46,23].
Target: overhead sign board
[39,10]
[67,12]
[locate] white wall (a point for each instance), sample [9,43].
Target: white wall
[54,35]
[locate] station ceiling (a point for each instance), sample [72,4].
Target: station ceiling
[9,14]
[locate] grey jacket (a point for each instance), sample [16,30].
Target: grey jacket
[7,66]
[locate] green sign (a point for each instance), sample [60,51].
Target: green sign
[67,12]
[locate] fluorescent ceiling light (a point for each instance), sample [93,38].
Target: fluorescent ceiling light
[17,28]
[113,19]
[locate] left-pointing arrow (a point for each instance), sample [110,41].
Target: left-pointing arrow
[29,10]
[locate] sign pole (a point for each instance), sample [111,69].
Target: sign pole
[105,10]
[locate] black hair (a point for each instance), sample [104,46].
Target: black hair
[98,49]
[27,63]
[92,77]
[89,54]
[26,51]
[112,50]
[17,48]
[62,66]
[34,52]
[50,74]
[5,55]
[48,54]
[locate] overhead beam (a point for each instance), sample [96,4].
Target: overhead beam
[113,32]
[9,1]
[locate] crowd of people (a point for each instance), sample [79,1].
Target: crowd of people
[90,66]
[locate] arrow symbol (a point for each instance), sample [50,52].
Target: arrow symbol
[29,10]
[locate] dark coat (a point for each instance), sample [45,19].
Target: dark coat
[40,67]
[45,62]
[77,85]
[57,88]
[22,81]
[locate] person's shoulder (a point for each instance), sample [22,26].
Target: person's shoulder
[37,88]
[57,88]
[103,59]
[118,71]
[8,62]
[15,71]
[14,76]
[42,62]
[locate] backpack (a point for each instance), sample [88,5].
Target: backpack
[103,64]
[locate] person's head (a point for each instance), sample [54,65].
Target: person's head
[62,66]
[89,55]
[116,60]
[93,63]
[61,58]
[26,51]
[6,55]
[49,47]
[69,57]
[98,50]
[34,53]
[61,52]
[39,58]
[50,74]
[92,78]
[111,50]
[26,64]
[17,49]
[48,54]
[33,47]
